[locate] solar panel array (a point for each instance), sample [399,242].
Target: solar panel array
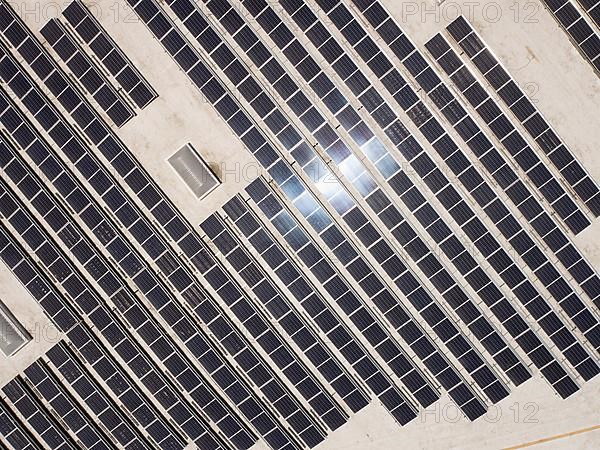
[43,380]
[521,106]
[356,220]
[91,351]
[313,303]
[108,93]
[92,79]
[83,22]
[534,168]
[579,26]
[356,269]
[197,24]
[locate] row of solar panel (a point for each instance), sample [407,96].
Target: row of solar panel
[49,384]
[584,37]
[500,215]
[366,229]
[327,320]
[228,108]
[281,312]
[44,424]
[280,353]
[552,370]
[500,305]
[118,250]
[173,231]
[104,406]
[428,219]
[518,147]
[452,200]
[308,433]
[281,176]
[99,401]
[383,299]
[586,322]
[61,315]
[20,261]
[103,93]
[334,286]
[109,53]
[15,435]
[47,70]
[84,68]
[375,144]
[527,113]
[258,19]
[557,242]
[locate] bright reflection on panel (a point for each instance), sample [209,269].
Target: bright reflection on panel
[387,166]
[374,149]
[365,184]
[306,204]
[316,170]
[329,186]
[351,167]
[342,202]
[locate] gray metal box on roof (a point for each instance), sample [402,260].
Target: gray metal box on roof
[13,335]
[193,171]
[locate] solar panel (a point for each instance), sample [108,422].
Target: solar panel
[309,75]
[284,256]
[510,93]
[101,323]
[80,64]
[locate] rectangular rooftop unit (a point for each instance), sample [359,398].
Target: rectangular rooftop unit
[194,171]
[13,335]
